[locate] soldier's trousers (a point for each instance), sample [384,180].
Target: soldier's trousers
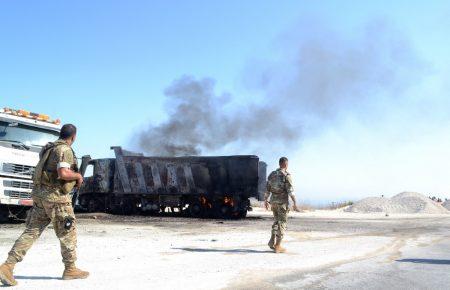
[280,212]
[39,217]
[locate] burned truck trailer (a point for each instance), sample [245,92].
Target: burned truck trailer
[196,186]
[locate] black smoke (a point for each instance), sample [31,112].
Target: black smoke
[198,122]
[318,78]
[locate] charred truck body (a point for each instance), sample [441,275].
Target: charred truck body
[197,186]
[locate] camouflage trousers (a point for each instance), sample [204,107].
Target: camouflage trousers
[280,212]
[43,213]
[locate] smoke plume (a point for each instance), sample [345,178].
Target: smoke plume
[318,78]
[198,121]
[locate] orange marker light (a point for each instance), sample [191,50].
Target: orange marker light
[43,117]
[31,115]
[23,113]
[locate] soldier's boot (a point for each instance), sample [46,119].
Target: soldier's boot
[272,242]
[278,247]
[6,274]
[71,272]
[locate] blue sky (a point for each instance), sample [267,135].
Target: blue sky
[103,65]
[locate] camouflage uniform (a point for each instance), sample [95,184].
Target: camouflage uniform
[51,204]
[279,200]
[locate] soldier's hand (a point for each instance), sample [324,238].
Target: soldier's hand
[295,208]
[79,181]
[266,205]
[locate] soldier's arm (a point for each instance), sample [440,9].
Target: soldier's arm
[266,196]
[65,160]
[290,190]
[289,186]
[294,201]
[67,174]
[266,199]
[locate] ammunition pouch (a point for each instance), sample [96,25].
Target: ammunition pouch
[67,186]
[50,178]
[278,192]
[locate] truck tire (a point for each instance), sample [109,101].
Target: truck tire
[92,206]
[4,215]
[242,214]
[224,211]
[196,210]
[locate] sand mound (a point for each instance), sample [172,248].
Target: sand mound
[414,202]
[446,204]
[372,204]
[405,202]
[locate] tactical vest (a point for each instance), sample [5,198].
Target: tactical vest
[277,182]
[42,176]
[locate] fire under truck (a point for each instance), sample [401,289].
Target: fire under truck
[22,135]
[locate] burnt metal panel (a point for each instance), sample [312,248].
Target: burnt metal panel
[190,184]
[172,178]
[140,177]
[102,179]
[121,169]
[221,175]
[262,179]
[156,177]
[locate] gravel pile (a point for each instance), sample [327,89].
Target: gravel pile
[372,204]
[414,202]
[405,202]
[446,204]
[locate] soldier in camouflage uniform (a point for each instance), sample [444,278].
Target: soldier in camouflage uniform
[54,178]
[279,189]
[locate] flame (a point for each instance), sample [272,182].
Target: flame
[228,201]
[204,202]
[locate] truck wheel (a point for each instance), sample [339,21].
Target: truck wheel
[128,209]
[225,211]
[4,215]
[242,214]
[196,210]
[92,207]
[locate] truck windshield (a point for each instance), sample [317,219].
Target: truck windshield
[28,135]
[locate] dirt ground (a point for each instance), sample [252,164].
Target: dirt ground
[326,250]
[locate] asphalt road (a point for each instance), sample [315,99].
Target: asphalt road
[333,251]
[422,267]
[418,259]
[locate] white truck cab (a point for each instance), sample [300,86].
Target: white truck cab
[22,136]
